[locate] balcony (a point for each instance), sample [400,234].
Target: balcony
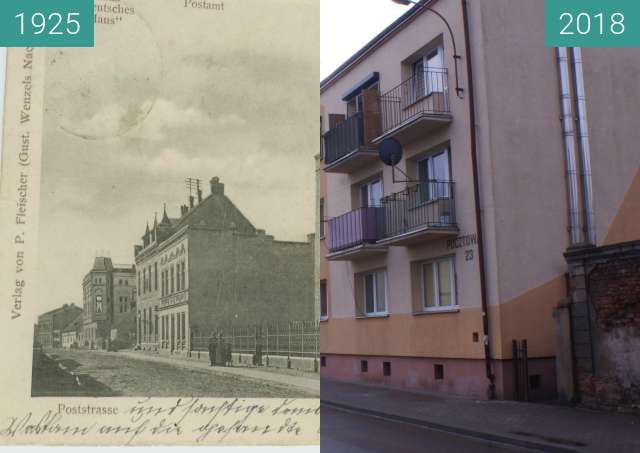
[420,213]
[417,106]
[345,146]
[354,235]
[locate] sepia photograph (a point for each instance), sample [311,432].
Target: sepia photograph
[178,216]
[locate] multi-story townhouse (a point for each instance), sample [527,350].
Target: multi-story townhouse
[109,305]
[50,326]
[438,267]
[210,269]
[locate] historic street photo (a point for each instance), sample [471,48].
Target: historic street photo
[177,225]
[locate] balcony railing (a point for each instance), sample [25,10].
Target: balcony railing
[343,139]
[358,227]
[424,206]
[424,93]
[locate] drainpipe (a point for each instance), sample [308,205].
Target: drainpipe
[569,147]
[491,391]
[585,149]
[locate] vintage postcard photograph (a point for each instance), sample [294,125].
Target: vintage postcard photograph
[159,229]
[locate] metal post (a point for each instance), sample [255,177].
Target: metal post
[525,370]
[516,371]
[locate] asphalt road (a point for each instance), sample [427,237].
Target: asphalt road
[345,432]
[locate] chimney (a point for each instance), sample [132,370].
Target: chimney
[191,200]
[217,188]
[199,196]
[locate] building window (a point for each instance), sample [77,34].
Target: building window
[375,292]
[371,194]
[155,276]
[183,276]
[144,281]
[427,75]
[99,307]
[172,280]
[178,277]
[138,283]
[438,284]
[354,105]
[434,175]
[321,225]
[438,372]
[324,312]
[386,368]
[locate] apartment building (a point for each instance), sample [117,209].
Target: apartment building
[211,269]
[49,329]
[443,270]
[109,305]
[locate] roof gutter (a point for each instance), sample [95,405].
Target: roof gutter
[491,391]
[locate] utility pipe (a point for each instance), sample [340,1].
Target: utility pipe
[585,149]
[569,146]
[491,391]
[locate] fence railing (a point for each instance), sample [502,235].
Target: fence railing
[425,91]
[294,339]
[360,226]
[426,204]
[344,138]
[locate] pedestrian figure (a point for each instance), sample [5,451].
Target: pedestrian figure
[212,349]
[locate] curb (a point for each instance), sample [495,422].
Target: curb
[486,437]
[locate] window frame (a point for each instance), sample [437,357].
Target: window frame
[430,195]
[434,263]
[367,185]
[376,312]
[424,87]
[324,316]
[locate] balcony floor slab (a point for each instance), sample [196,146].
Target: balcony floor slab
[420,235]
[357,252]
[353,161]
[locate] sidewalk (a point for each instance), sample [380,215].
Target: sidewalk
[308,384]
[538,427]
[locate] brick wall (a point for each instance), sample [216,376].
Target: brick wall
[613,380]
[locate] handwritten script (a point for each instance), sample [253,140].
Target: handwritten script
[190,420]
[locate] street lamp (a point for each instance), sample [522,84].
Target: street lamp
[456,57]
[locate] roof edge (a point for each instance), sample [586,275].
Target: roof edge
[396,25]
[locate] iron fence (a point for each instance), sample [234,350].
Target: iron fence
[425,92]
[343,139]
[293,339]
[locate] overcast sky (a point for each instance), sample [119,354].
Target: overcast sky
[126,122]
[347,25]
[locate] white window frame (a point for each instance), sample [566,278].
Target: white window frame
[436,285]
[434,194]
[368,185]
[376,312]
[427,88]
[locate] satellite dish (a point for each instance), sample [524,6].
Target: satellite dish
[390,151]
